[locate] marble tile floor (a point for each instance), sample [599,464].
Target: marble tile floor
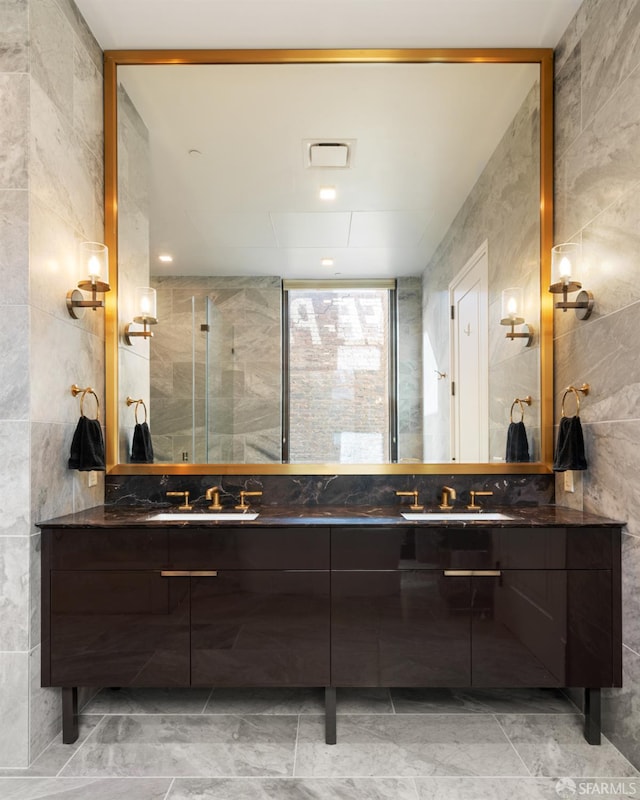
[268,744]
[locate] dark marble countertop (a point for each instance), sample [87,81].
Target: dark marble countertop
[277,516]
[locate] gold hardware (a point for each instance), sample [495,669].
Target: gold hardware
[213,494]
[585,391]
[185,495]
[130,401]
[415,506]
[527,333]
[145,333]
[242,506]
[76,390]
[447,494]
[473,505]
[472,573]
[520,401]
[189,573]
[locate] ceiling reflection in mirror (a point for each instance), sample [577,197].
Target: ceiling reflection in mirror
[220,169]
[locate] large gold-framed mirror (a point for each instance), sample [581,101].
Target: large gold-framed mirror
[525,93]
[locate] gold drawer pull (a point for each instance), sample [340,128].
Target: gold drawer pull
[472,573]
[189,573]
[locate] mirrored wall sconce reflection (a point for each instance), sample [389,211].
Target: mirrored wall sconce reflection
[94,263]
[512,315]
[565,261]
[145,315]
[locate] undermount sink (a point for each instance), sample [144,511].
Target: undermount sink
[204,516]
[458,516]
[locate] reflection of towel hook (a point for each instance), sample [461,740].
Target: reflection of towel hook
[131,401]
[467,330]
[76,390]
[584,389]
[441,375]
[520,401]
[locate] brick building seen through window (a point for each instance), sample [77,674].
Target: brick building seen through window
[339,375]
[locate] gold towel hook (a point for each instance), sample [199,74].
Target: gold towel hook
[76,390]
[131,401]
[520,401]
[575,390]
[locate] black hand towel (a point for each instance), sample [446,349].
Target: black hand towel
[517,444]
[570,446]
[141,447]
[87,446]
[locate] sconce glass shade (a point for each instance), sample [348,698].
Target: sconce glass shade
[93,259]
[565,262]
[513,314]
[146,306]
[512,306]
[94,262]
[145,314]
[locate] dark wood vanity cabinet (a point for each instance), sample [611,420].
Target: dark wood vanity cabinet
[484,607]
[202,612]
[354,605]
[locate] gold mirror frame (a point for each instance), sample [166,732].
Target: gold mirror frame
[542,57]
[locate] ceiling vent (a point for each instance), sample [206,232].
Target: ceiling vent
[333,153]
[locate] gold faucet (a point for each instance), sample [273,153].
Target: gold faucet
[473,506]
[415,506]
[242,506]
[447,494]
[185,496]
[213,494]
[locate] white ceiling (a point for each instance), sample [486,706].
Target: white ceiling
[422,133]
[126,24]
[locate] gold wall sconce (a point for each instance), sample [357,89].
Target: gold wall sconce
[145,314]
[94,259]
[565,259]
[512,314]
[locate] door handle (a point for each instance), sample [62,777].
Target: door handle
[189,573]
[472,573]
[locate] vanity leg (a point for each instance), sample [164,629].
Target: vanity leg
[592,715]
[69,714]
[330,734]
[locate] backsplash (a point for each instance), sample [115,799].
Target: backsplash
[344,490]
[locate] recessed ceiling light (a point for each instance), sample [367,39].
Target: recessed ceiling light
[165,257]
[326,262]
[328,193]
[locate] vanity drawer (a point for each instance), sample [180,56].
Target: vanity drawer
[481,547]
[553,548]
[106,548]
[264,548]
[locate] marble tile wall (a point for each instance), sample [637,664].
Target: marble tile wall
[598,204]
[133,264]
[50,198]
[409,296]
[503,209]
